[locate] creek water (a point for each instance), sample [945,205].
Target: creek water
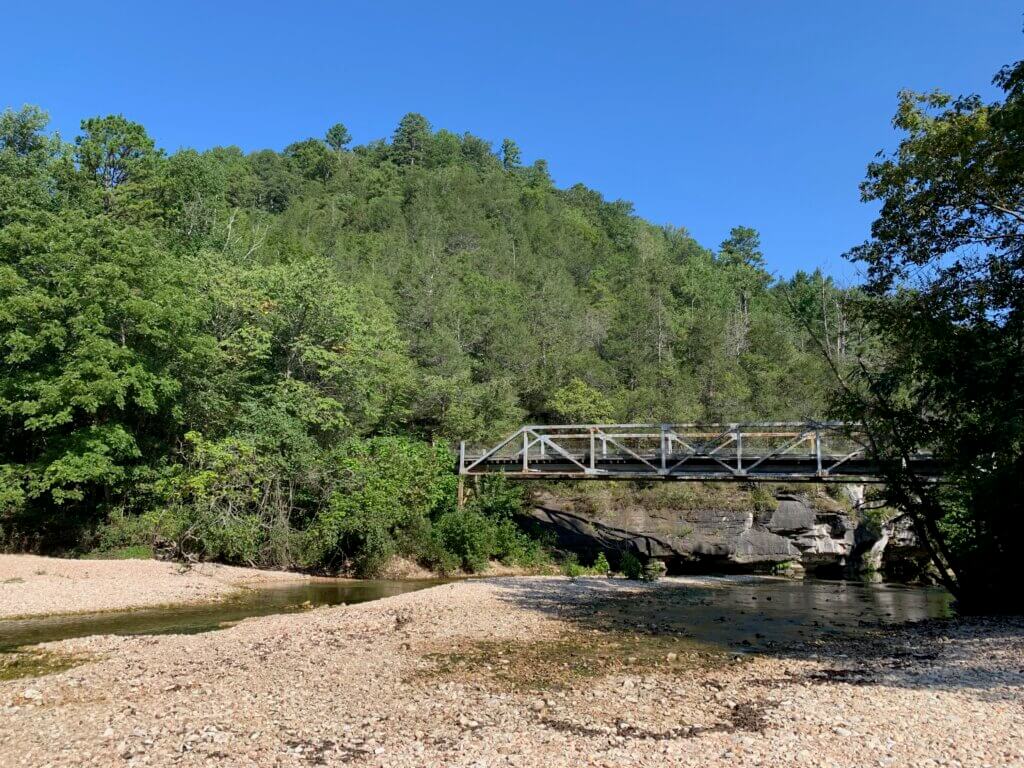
[203,617]
[758,613]
[721,611]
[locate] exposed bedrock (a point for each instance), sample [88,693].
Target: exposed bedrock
[794,533]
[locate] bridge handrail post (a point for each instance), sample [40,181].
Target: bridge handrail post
[462,457]
[664,456]
[817,448]
[526,451]
[593,449]
[739,449]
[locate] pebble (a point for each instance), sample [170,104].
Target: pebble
[333,687]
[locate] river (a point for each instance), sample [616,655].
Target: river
[203,617]
[755,612]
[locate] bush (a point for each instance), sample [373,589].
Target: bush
[388,491]
[631,566]
[600,566]
[123,531]
[225,502]
[469,536]
[514,547]
[571,566]
[762,499]
[350,510]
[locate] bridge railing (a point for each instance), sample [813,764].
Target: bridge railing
[776,450]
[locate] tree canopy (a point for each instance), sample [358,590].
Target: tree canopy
[217,347]
[944,306]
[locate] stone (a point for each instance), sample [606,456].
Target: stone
[801,533]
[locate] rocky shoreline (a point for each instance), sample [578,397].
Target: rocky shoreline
[522,672]
[787,532]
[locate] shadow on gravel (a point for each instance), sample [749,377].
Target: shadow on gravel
[863,634]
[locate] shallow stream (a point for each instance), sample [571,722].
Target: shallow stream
[758,611]
[203,617]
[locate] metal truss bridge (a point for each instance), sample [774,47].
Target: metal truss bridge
[788,452]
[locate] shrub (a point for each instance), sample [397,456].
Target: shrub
[601,566]
[224,503]
[123,531]
[467,535]
[571,566]
[515,547]
[631,566]
[388,490]
[762,499]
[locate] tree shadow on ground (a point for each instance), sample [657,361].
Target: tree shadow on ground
[861,634]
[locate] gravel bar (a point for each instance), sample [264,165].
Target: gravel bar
[521,672]
[39,586]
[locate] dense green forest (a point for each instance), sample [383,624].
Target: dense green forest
[267,357]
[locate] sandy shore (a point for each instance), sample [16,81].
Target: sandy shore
[31,585]
[521,672]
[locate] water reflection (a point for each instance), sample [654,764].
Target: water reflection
[766,612]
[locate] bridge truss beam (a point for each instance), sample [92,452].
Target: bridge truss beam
[745,452]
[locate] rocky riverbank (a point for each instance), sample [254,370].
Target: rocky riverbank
[37,586]
[699,528]
[523,672]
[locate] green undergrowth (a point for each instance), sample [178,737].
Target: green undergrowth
[572,568]
[134,552]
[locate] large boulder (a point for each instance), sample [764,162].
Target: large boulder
[814,533]
[904,557]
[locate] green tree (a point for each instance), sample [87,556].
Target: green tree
[26,157]
[312,159]
[945,301]
[742,248]
[511,158]
[98,332]
[411,140]
[115,150]
[338,137]
[276,180]
[577,402]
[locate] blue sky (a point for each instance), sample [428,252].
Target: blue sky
[705,115]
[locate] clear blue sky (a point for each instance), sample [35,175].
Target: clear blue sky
[705,115]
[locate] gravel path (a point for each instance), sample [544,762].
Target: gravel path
[31,585]
[482,673]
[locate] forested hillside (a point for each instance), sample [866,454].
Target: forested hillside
[266,357]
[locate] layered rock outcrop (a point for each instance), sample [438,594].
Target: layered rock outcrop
[795,531]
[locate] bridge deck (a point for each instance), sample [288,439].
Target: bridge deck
[760,452]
